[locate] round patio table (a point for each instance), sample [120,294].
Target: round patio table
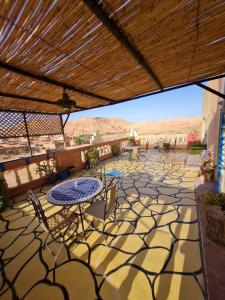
[75,192]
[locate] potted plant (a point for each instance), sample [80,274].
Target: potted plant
[214,206]
[48,169]
[91,158]
[4,193]
[115,150]
[132,141]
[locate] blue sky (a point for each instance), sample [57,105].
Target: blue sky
[185,102]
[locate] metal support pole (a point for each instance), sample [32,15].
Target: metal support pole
[63,134]
[27,133]
[209,89]
[67,118]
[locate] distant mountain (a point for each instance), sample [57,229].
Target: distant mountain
[114,125]
[102,125]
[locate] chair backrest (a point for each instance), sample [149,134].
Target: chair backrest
[39,213]
[111,195]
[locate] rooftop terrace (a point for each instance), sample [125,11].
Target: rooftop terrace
[153,251]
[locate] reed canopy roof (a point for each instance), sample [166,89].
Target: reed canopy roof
[105,52]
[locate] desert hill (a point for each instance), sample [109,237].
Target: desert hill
[114,125]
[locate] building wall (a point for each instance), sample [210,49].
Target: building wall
[211,117]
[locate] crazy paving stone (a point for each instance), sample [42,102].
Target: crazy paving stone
[128,243]
[8,237]
[152,260]
[80,251]
[20,243]
[18,261]
[25,281]
[148,191]
[168,191]
[185,231]
[177,287]
[190,195]
[119,228]
[186,201]
[187,213]
[144,224]
[105,259]
[80,287]
[164,199]
[8,295]
[185,257]
[22,222]
[159,237]
[45,291]
[126,283]
[141,210]
[166,218]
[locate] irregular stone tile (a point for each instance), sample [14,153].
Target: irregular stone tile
[3,226]
[45,291]
[159,237]
[129,243]
[141,210]
[187,213]
[25,281]
[176,287]
[168,191]
[185,257]
[18,262]
[186,201]
[172,181]
[119,228]
[151,260]
[8,237]
[190,195]
[185,231]
[17,246]
[148,191]
[139,184]
[166,218]
[104,259]
[144,224]
[80,251]
[126,214]
[158,208]
[126,283]
[187,185]
[14,216]
[8,295]
[22,222]
[132,193]
[164,199]
[147,200]
[80,285]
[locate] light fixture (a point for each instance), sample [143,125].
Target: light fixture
[66,102]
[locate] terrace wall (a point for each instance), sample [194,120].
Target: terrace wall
[21,175]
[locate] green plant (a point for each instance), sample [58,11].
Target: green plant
[92,157]
[198,145]
[4,193]
[116,150]
[47,167]
[81,139]
[213,198]
[132,140]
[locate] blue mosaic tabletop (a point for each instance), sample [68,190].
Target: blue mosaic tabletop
[75,191]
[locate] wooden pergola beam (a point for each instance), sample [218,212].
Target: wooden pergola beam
[43,101]
[49,80]
[97,9]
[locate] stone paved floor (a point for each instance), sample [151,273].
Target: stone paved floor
[153,250]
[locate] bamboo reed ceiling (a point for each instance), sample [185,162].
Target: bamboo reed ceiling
[68,43]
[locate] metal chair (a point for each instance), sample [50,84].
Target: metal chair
[102,208]
[54,224]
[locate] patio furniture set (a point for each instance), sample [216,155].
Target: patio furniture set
[86,196]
